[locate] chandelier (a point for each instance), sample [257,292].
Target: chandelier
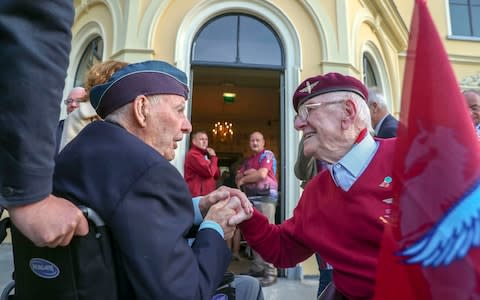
[222,131]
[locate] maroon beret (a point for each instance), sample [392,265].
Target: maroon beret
[328,83]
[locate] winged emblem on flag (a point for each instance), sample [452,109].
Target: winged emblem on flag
[458,229]
[452,237]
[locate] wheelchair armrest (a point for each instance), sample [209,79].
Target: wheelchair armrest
[92,215]
[228,278]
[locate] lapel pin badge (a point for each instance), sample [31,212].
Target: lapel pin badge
[386,182]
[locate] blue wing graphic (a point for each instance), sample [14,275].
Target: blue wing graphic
[452,237]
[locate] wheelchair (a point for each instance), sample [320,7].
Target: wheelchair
[85,269]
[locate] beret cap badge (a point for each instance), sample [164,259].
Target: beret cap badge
[309,87]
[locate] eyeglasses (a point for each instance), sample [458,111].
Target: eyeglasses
[304,109]
[474,108]
[71,100]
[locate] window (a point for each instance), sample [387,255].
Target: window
[93,54]
[465,17]
[237,40]
[369,77]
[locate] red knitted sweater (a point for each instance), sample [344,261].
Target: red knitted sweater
[345,228]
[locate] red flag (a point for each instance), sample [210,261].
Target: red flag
[430,248]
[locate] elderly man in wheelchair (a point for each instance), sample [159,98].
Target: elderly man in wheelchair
[120,168]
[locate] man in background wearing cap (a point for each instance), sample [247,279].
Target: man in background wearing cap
[121,169]
[342,211]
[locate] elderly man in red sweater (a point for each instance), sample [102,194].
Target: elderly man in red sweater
[201,166]
[343,209]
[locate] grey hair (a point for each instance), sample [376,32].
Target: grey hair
[120,114]
[376,96]
[363,113]
[154,99]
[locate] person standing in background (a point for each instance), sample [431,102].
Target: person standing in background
[472,97]
[76,96]
[257,179]
[384,124]
[85,114]
[201,166]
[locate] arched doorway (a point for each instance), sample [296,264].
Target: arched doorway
[237,69]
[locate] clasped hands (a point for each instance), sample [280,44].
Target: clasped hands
[226,206]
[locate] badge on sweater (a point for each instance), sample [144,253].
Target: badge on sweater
[386,182]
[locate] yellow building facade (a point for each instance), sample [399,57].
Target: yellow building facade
[261,50]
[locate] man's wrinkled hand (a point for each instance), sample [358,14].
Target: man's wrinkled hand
[220,213]
[234,199]
[246,204]
[241,213]
[221,194]
[207,201]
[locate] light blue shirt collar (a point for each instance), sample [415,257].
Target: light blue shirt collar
[346,171]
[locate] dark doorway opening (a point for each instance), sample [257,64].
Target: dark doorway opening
[255,107]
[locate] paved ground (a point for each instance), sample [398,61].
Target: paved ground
[292,289]
[6,265]
[283,290]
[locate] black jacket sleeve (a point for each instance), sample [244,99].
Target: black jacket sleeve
[150,225]
[35,42]
[388,128]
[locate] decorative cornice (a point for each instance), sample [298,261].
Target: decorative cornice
[471,82]
[466,59]
[340,66]
[455,58]
[132,51]
[390,19]
[81,6]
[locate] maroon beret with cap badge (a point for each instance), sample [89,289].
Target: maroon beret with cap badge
[328,83]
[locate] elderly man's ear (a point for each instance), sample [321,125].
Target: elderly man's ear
[141,110]
[350,114]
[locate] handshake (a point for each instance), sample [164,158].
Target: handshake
[227,207]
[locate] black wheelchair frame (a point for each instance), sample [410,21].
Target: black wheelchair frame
[68,273]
